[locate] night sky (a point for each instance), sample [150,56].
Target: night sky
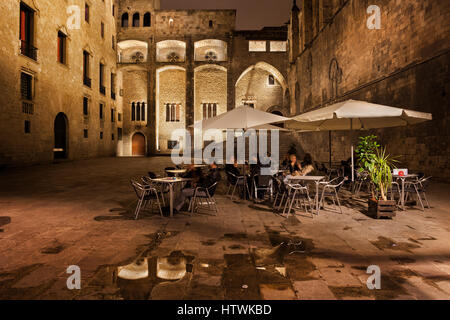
[251,14]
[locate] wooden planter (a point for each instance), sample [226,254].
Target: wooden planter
[381,208]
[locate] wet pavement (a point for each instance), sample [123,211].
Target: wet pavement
[81,213]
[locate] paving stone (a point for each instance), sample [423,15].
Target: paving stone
[313,290]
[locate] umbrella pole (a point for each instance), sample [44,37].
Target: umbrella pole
[329,145]
[353,160]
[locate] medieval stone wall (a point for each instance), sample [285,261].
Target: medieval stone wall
[403,64]
[57,88]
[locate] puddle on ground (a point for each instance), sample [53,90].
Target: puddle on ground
[143,279]
[387,243]
[403,260]
[235,236]
[208,243]
[55,248]
[4,221]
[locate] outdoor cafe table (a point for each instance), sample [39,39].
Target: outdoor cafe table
[171,181]
[403,179]
[316,180]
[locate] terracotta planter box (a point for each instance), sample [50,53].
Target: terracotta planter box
[381,208]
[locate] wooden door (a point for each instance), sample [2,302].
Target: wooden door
[138,144]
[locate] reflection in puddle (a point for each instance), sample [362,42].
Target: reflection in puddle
[139,279]
[172,267]
[134,271]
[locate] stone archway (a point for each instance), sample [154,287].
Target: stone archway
[61,136]
[138,145]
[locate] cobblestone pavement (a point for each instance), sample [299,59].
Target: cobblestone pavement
[80,213]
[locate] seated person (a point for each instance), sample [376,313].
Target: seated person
[192,173]
[285,162]
[203,182]
[307,165]
[293,166]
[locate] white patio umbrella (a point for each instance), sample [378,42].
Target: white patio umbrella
[240,118]
[356,115]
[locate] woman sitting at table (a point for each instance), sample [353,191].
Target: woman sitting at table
[293,165]
[307,165]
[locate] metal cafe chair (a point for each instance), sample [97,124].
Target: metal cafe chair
[235,181]
[331,190]
[163,189]
[419,188]
[204,196]
[261,183]
[300,194]
[146,194]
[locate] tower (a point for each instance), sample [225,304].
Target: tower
[295,32]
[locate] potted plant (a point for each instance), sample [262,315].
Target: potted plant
[380,172]
[365,151]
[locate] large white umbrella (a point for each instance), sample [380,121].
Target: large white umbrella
[240,118]
[356,115]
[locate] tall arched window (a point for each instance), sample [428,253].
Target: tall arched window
[125,20]
[147,20]
[136,19]
[138,112]
[133,112]
[143,111]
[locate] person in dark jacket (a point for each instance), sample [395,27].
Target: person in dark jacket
[203,182]
[293,166]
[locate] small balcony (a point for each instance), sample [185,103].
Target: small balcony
[27,107]
[102,90]
[28,50]
[87,81]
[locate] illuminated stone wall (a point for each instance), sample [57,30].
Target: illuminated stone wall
[210,87]
[57,87]
[172,89]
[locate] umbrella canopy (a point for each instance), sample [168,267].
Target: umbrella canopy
[240,118]
[268,127]
[356,115]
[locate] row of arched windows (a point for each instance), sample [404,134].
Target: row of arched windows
[138,111]
[136,20]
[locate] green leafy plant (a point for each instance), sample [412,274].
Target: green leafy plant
[365,151]
[380,172]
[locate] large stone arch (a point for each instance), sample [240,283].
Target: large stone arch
[171,51]
[132,51]
[260,85]
[210,50]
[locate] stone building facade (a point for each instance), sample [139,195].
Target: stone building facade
[49,110]
[95,78]
[334,56]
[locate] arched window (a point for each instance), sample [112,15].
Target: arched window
[147,20]
[143,111]
[138,112]
[136,19]
[125,20]
[133,112]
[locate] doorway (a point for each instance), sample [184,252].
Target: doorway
[138,145]
[61,137]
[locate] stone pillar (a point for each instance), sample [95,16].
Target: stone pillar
[151,97]
[189,81]
[231,89]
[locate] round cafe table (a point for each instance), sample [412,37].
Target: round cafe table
[171,181]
